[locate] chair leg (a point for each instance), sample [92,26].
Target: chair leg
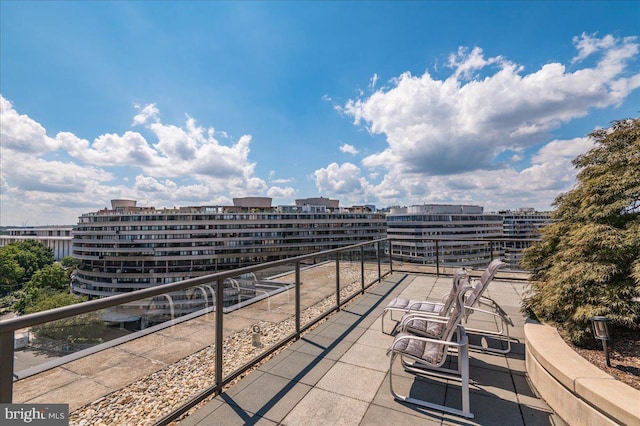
[463,363]
[465,412]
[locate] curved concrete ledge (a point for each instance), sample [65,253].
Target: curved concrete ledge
[575,389]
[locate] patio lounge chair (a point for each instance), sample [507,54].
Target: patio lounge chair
[433,308]
[426,357]
[422,324]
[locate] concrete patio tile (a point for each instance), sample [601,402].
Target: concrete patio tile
[328,347]
[488,410]
[348,333]
[364,356]
[189,329]
[243,383]
[368,319]
[76,394]
[102,360]
[363,308]
[493,383]
[227,415]
[183,330]
[382,416]
[320,408]
[534,416]
[307,369]
[478,359]
[346,318]
[427,390]
[527,395]
[516,363]
[269,396]
[119,376]
[234,322]
[31,387]
[146,343]
[375,338]
[276,359]
[171,352]
[198,417]
[352,381]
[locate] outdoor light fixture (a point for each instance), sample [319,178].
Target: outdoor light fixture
[601,332]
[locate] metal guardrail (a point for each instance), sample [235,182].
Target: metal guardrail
[8,327]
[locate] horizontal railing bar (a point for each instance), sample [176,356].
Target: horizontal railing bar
[485,240]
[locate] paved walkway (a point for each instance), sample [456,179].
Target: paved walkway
[338,374]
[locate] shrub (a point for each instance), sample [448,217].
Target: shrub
[587,262]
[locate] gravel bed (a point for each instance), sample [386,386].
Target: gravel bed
[146,400]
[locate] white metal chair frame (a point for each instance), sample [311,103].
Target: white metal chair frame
[441,308]
[439,347]
[475,298]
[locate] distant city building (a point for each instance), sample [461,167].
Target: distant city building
[127,247]
[331,204]
[523,224]
[457,227]
[57,238]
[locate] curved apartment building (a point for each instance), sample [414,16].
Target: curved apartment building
[126,248]
[461,225]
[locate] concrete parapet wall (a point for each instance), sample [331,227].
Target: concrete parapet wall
[575,389]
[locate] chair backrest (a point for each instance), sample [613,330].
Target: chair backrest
[457,312]
[485,279]
[460,279]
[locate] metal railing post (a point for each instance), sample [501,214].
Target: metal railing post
[491,249]
[379,260]
[338,280]
[6,367]
[362,266]
[219,333]
[391,255]
[437,259]
[298,298]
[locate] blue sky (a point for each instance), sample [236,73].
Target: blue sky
[385,103]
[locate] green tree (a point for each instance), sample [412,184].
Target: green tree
[70,262]
[49,300]
[588,262]
[46,282]
[11,272]
[30,255]
[52,277]
[81,328]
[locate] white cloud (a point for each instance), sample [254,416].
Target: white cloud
[287,193]
[587,45]
[562,149]
[373,82]
[466,64]
[349,149]
[184,165]
[549,174]
[148,112]
[343,181]
[459,124]
[20,133]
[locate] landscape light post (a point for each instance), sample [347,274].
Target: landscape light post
[601,332]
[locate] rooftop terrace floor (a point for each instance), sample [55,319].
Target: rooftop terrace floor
[338,373]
